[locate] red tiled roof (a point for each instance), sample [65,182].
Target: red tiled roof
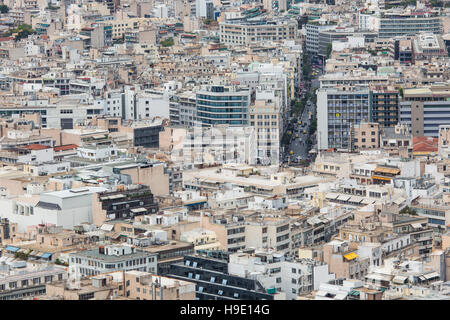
[65,147]
[36,147]
[425,144]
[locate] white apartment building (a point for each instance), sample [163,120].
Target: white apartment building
[274,271]
[66,208]
[123,257]
[244,34]
[219,144]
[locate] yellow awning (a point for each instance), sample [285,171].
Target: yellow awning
[381,178]
[387,170]
[351,256]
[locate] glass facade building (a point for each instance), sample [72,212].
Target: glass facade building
[222,105]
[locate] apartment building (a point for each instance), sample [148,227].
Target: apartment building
[222,105]
[366,136]
[393,24]
[25,283]
[385,107]
[428,45]
[337,111]
[219,144]
[343,261]
[312,34]
[425,109]
[125,202]
[264,231]
[444,141]
[437,212]
[267,120]
[290,276]
[244,34]
[229,229]
[213,280]
[397,140]
[155,174]
[110,258]
[65,208]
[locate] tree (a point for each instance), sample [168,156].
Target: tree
[408,210]
[400,91]
[167,42]
[21,255]
[329,50]
[4,8]
[23,31]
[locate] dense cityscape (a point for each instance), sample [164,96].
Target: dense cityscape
[224,150]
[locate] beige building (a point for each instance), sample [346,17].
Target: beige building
[366,136]
[342,261]
[244,34]
[266,119]
[145,286]
[444,141]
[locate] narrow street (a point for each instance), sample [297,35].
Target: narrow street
[301,133]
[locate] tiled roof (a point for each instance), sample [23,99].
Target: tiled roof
[66,147]
[36,147]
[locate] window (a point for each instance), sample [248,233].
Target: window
[294,270]
[213,279]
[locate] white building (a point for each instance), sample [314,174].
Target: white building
[272,270]
[111,258]
[66,208]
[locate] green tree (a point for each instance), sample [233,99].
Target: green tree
[400,91]
[408,210]
[21,255]
[23,31]
[329,50]
[167,42]
[4,8]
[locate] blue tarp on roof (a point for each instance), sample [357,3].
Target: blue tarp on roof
[11,248]
[195,203]
[46,255]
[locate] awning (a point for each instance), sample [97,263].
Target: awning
[46,255]
[387,170]
[399,279]
[381,178]
[431,275]
[340,296]
[343,197]
[378,277]
[399,200]
[416,225]
[356,199]
[354,293]
[107,227]
[11,248]
[194,203]
[367,201]
[138,210]
[351,256]
[332,195]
